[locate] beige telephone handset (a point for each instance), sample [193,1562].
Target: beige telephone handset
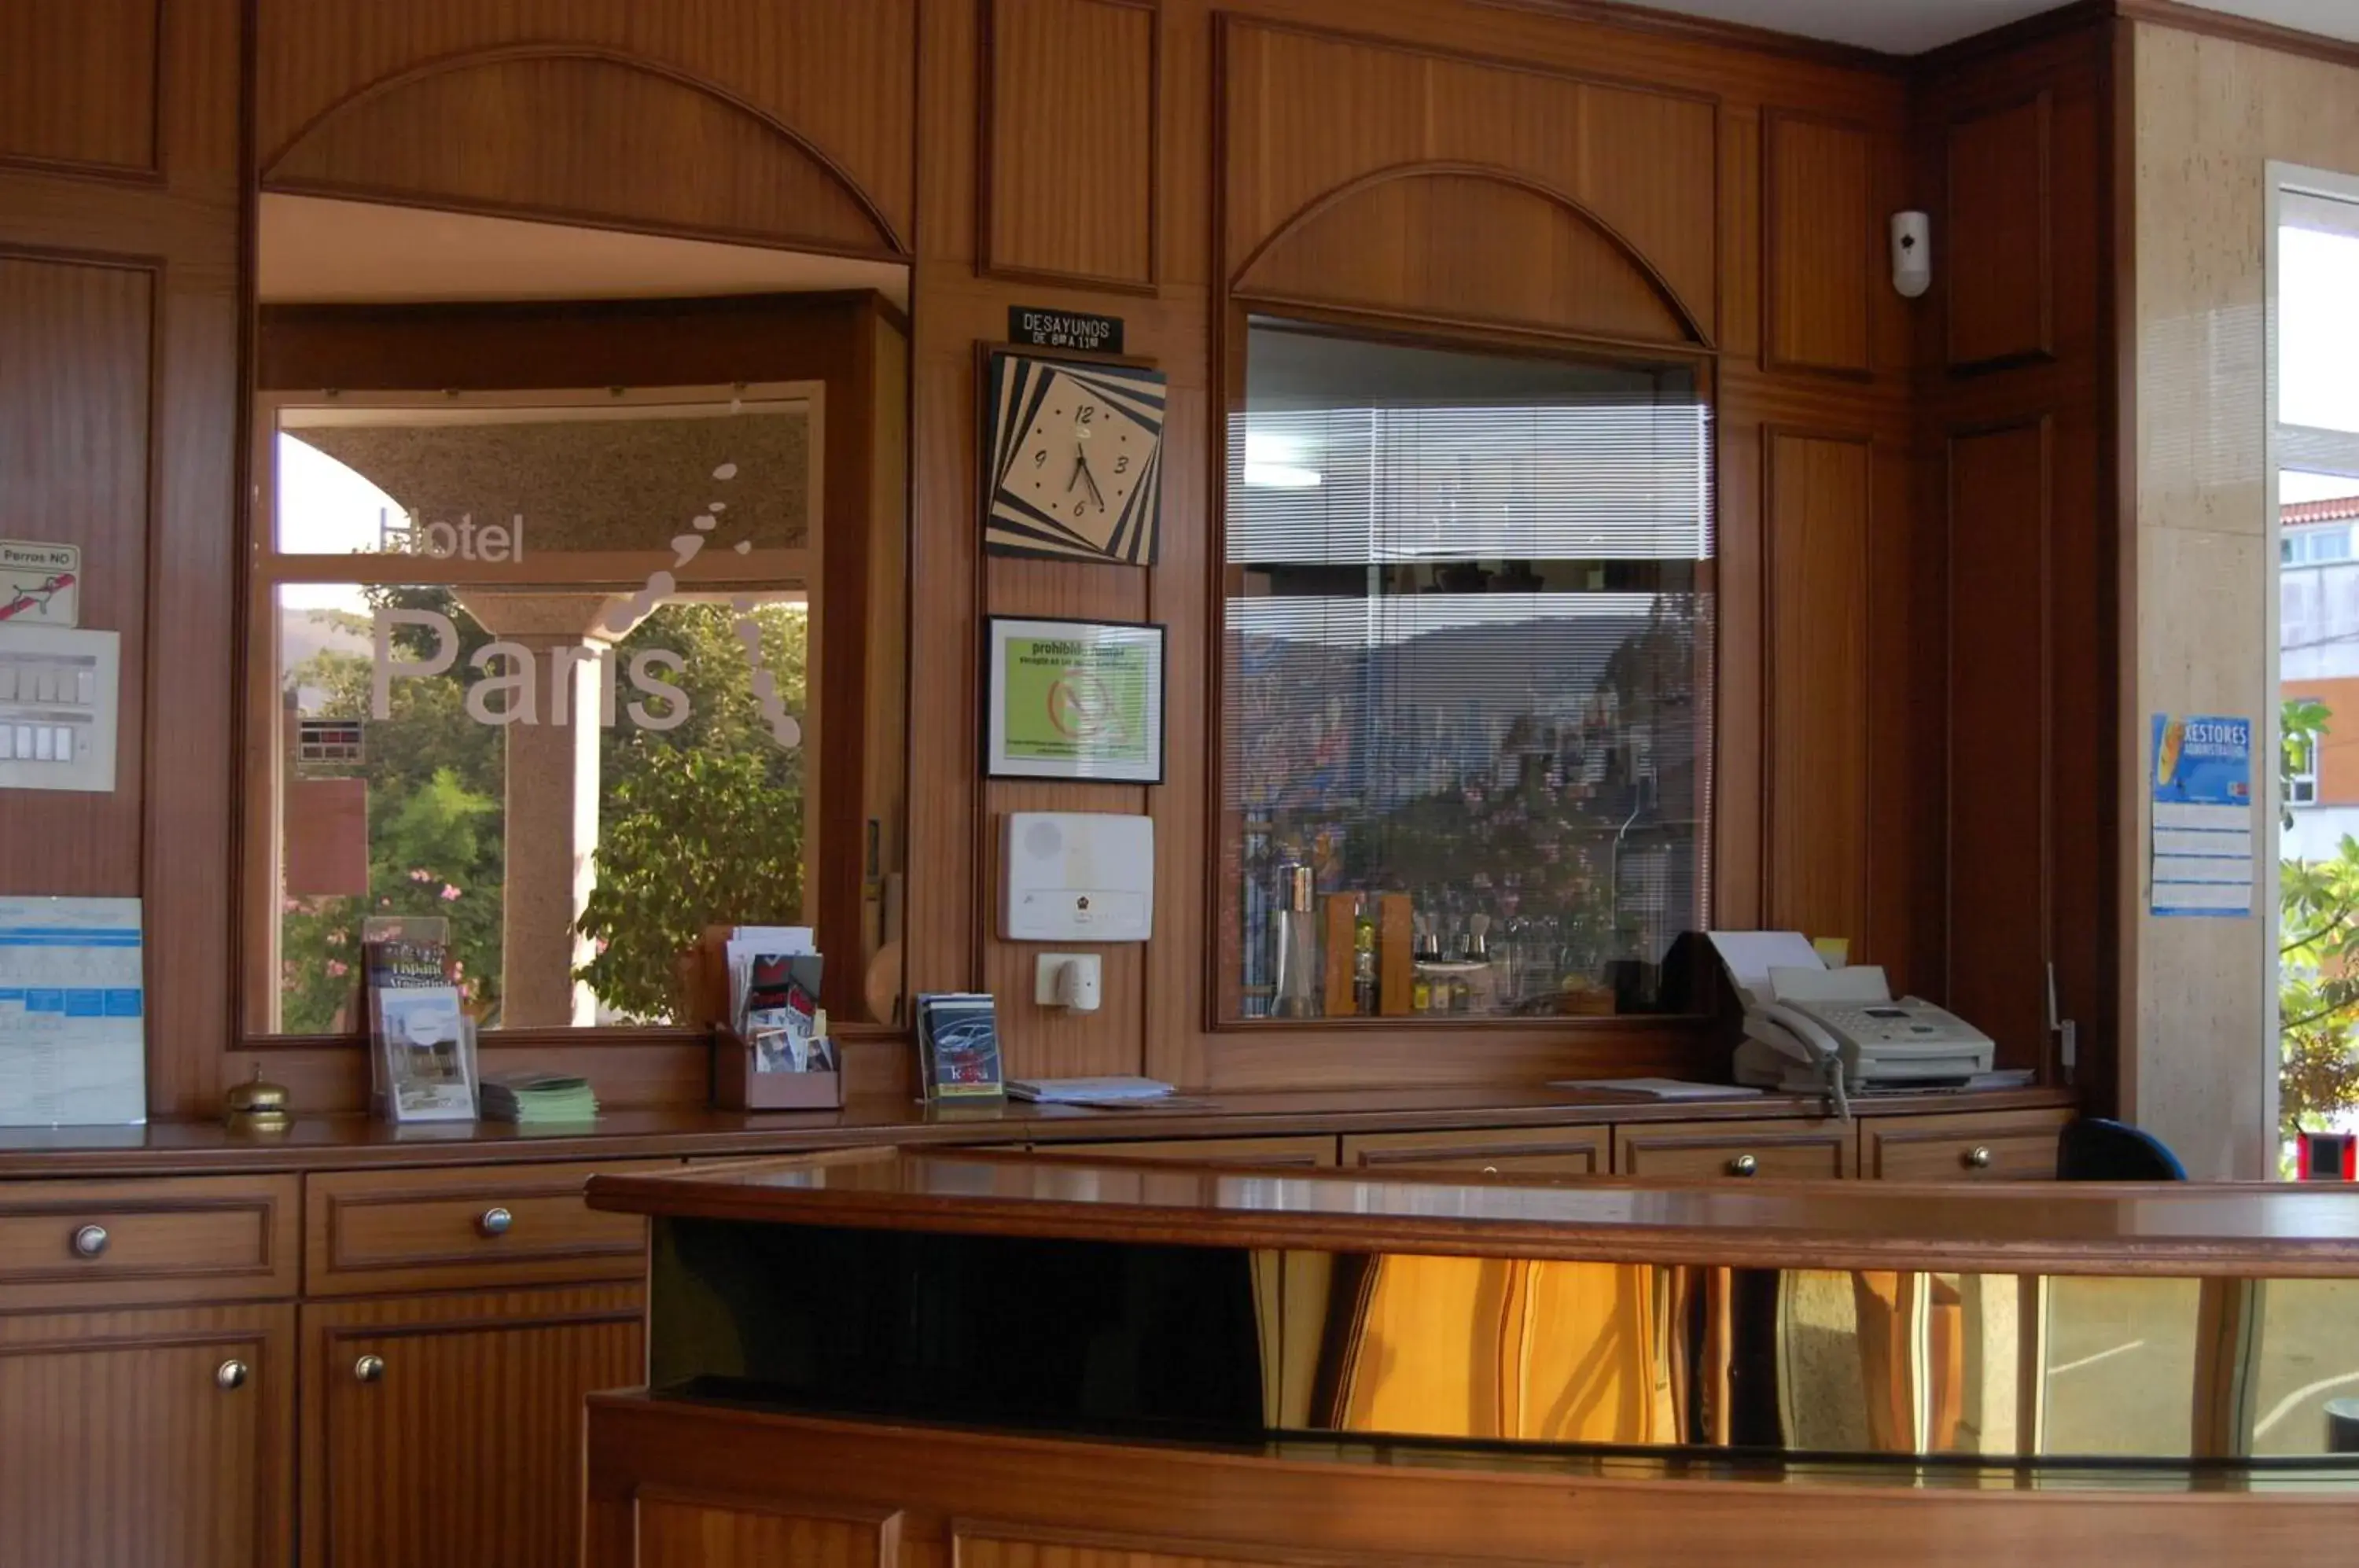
[1783,1027]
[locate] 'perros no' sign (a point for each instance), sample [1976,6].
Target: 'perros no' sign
[1064,329]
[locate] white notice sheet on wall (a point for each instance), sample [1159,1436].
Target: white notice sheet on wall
[2202,862]
[73,1036]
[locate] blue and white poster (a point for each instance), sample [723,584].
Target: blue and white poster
[73,1028]
[2202,783]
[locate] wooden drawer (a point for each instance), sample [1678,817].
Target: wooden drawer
[374,1231]
[192,1238]
[1504,1152]
[1789,1150]
[1303,1149]
[1991,1145]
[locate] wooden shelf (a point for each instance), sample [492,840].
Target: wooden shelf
[324,1143]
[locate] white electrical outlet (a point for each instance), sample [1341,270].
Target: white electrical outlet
[1044,974]
[57,708]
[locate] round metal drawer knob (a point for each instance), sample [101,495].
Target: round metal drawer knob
[90,1241]
[495,1222]
[369,1369]
[1743,1165]
[229,1374]
[1978,1158]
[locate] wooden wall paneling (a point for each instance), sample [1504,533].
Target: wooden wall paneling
[75,442]
[81,85]
[1258,1057]
[2019,349]
[497,1379]
[129,1442]
[1819,524]
[1822,246]
[585,140]
[945,631]
[1182,958]
[119,233]
[1903,872]
[1187,119]
[945,650]
[1461,246]
[1740,233]
[1741,698]
[1069,161]
[841,78]
[885,772]
[2001,235]
[2084,700]
[2001,665]
[1298,130]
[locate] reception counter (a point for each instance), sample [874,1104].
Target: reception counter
[886,1356]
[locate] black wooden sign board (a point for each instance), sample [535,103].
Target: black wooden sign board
[1036,328]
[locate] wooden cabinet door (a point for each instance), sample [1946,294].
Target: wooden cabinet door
[159,1439]
[442,1430]
[1500,1153]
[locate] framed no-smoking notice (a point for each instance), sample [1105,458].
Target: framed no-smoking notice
[1079,699]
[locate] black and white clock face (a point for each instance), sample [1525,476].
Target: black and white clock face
[1078,451]
[1082,458]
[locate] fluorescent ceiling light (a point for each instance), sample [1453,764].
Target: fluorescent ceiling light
[1281,476]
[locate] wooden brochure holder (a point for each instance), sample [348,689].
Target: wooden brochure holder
[737,1087]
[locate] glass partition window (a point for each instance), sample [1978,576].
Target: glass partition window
[1467,679]
[2314,440]
[541,667]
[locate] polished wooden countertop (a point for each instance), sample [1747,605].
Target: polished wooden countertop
[2261,1229]
[334,1142]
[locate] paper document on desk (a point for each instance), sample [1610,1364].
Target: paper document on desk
[73,1036]
[1087,1091]
[1659,1088]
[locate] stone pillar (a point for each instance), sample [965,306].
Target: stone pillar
[551,801]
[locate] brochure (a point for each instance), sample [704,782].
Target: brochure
[424,1043]
[958,1046]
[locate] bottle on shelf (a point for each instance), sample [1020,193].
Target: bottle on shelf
[1294,928]
[1363,958]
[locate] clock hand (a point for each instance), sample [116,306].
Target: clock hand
[1095,493]
[1081,466]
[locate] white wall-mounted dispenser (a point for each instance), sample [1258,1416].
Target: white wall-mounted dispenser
[1076,876]
[1912,254]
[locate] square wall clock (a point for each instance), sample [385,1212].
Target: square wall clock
[1075,460]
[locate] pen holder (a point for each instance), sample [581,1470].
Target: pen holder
[736,1087]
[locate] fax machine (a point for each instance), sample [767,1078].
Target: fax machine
[1812,1029]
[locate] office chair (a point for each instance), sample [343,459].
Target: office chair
[2094,1149]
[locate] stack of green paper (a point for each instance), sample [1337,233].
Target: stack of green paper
[538,1099]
